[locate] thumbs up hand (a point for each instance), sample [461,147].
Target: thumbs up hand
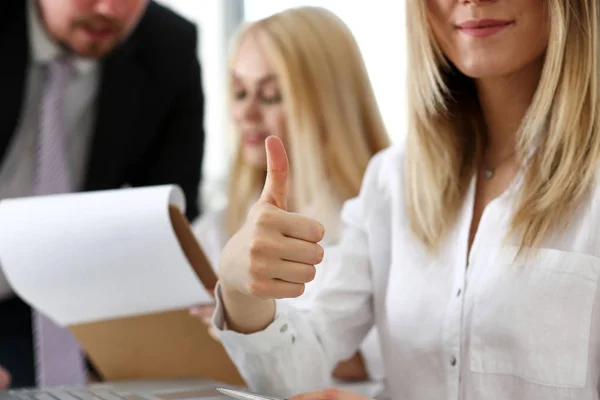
[275,252]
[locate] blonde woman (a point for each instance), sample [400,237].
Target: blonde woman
[475,250]
[299,75]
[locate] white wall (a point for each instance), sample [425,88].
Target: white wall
[213,20]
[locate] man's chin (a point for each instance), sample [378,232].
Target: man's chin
[93,54]
[93,50]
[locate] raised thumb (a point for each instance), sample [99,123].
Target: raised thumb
[275,190]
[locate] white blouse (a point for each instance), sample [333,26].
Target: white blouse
[499,329]
[210,230]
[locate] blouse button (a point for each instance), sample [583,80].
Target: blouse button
[453,361]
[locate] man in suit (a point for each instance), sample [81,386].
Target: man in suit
[94,94]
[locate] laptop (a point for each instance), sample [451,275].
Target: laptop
[172,389]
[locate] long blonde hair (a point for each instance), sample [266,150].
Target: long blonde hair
[562,126]
[333,123]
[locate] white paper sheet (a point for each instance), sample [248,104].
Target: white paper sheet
[99,255]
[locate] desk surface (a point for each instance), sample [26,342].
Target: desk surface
[171,389]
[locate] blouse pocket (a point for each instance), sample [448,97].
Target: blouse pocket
[532,318]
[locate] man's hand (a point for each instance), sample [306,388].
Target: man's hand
[5,378]
[352,370]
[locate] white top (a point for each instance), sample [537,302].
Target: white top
[497,330]
[210,229]
[18,165]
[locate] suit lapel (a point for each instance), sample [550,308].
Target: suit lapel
[117,114]
[14,45]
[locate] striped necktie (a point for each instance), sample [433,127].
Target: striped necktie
[57,354]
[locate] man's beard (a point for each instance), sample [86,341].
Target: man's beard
[93,48]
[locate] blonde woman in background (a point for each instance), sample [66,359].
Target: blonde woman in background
[299,75]
[474,249]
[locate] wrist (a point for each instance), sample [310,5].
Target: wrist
[244,313]
[230,293]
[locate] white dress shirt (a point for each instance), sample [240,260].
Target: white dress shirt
[18,166]
[499,329]
[211,232]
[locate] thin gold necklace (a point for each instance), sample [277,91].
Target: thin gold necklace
[490,172]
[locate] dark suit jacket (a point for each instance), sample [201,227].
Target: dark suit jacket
[148,128]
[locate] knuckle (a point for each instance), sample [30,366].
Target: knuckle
[320,253]
[315,254]
[265,217]
[309,273]
[258,247]
[297,290]
[256,268]
[256,288]
[319,231]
